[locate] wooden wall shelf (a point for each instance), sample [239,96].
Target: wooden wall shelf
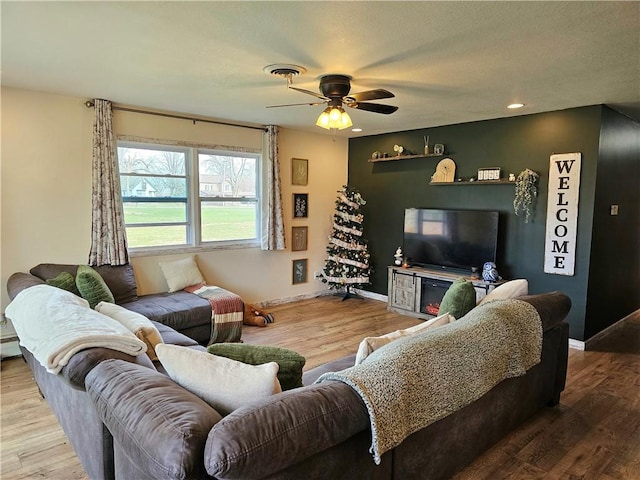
[477,182]
[403,157]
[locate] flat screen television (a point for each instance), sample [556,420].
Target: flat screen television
[450,239]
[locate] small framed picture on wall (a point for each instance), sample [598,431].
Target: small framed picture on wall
[299,238]
[299,171]
[300,205]
[299,271]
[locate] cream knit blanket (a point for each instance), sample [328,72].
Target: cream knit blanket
[54,325]
[415,381]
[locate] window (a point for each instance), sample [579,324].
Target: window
[183,196]
[228,210]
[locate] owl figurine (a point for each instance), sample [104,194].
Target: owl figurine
[490,272]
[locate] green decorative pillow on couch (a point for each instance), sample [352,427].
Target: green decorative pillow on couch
[459,299]
[290,362]
[92,286]
[65,281]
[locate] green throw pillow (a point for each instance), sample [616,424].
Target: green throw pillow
[65,281]
[290,362]
[92,287]
[459,299]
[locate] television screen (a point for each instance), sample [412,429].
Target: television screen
[456,239]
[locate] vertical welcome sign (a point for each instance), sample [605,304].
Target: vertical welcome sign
[562,214]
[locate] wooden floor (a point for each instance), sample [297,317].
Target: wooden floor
[593,434]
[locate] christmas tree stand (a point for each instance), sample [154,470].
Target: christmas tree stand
[348,293]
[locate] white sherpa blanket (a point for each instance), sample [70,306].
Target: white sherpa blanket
[54,324]
[415,381]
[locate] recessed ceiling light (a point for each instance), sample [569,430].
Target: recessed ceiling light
[515,105]
[356,129]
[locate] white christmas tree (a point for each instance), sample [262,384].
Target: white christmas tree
[347,265]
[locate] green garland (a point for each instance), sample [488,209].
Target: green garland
[526,193]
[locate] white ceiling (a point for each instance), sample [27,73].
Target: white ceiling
[446,62]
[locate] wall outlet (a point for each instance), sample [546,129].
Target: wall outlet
[614,209]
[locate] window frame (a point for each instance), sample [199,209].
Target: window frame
[193,217]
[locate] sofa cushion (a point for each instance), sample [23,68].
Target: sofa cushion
[92,287]
[262,439]
[371,344]
[223,383]
[138,324]
[161,426]
[510,289]
[119,279]
[459,298]
[179,310]
[65,281]
[181,273]
[290,363]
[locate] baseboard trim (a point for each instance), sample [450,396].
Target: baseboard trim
[576,344]
[587,344]
[611,328]
[305,296]
[372,295]
[10,349]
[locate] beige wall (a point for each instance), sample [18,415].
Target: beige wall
[46,194]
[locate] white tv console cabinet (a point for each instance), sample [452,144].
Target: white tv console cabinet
[418,291]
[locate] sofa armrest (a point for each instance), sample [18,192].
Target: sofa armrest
[161,427]
[280,431]
[335,366]
[19,281]
[552,307]
[80,364]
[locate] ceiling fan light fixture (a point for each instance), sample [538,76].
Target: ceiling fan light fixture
[334,118]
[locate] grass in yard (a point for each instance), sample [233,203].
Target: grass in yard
[218,223]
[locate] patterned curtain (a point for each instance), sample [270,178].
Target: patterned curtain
[272,218]
[108,235]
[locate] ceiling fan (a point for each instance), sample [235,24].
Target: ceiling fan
[335,93]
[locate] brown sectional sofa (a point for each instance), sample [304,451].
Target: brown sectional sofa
[126,419]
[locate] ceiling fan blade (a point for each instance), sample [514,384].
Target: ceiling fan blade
[374,107]
[308,92]
[377,94]
[295,104]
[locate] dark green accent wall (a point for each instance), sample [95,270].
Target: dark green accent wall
[513,144]
[614,279]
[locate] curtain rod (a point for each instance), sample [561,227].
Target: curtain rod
[90,104]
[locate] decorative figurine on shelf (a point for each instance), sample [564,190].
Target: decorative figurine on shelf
[445,171]
[399,149]
[490,272]
[474,273]
[398,256]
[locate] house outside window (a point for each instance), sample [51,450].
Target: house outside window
[176,196]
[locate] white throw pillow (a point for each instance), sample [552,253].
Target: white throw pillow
[223,383]
[137,323]
[371,344]
[511,289]
[181,273]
